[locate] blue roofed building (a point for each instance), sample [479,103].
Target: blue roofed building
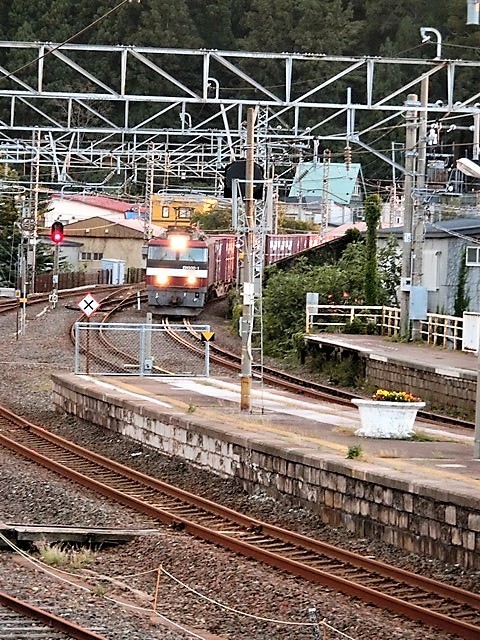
[327,193]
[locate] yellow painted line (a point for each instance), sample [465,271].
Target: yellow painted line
[237,422]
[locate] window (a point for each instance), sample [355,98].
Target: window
[165,211]
[88,256]
[192,254]
[473,256]
[184,213]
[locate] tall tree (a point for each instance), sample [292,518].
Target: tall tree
[373,212]
[9,241]
[213,21]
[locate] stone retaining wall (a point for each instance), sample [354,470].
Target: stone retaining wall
[440,389]
[350,494]
[449,390]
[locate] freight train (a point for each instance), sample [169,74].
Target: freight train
[186,269]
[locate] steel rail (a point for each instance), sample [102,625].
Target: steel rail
[308,388]
[431,602]
[50,620]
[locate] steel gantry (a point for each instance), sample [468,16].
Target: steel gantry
[193,103]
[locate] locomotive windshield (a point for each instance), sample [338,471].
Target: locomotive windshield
[189,254]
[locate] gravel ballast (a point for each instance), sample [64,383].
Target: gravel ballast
[209,592]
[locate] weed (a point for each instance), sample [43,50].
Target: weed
[54,555]
[355,451]
[421,436]
[57,555]
[191,408]
[99,590]
[79,558]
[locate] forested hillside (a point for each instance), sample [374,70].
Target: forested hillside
[360,27]
[336,28]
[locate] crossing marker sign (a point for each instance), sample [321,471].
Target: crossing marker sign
[88,305]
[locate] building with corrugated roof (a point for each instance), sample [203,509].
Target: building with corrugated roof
[89,241]
[447,244]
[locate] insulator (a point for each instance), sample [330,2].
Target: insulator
[348,157]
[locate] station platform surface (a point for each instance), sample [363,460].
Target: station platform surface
[443,457]
[422,355]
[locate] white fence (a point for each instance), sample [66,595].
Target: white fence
[442,330]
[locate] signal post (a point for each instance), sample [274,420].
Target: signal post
[56,236]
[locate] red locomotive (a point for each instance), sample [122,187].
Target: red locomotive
[185,269]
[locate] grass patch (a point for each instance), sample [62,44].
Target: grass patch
[60,555]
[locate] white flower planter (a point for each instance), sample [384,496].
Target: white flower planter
[381,419]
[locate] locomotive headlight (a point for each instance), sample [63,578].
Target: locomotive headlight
[178,242]
[161,279]
[192,279]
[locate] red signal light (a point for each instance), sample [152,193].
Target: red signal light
[56,233]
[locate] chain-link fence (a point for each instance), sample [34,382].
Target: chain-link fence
[139,349]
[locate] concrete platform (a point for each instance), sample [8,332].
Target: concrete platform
[423,496]
[315,425]
[425,356]
[445,379]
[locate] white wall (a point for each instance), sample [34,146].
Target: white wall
[68,211]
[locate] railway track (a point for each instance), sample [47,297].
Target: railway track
[431,602]
[292,383]
[108,353]
[23,621]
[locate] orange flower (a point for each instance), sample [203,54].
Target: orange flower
[394,396]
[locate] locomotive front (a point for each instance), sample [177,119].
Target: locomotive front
[177,274]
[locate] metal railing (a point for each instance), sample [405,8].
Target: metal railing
[136,350]
[438,329]
[335,318]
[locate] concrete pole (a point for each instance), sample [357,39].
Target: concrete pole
[476,442]
[476,439]
[248,284]
[476,136]
[410,164]
[34,205]
[418,238]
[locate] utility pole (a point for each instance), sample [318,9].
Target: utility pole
[476,438]
[248,275]
[418,238]
[149,179]
[410,164]
[34,197]
[327,156]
